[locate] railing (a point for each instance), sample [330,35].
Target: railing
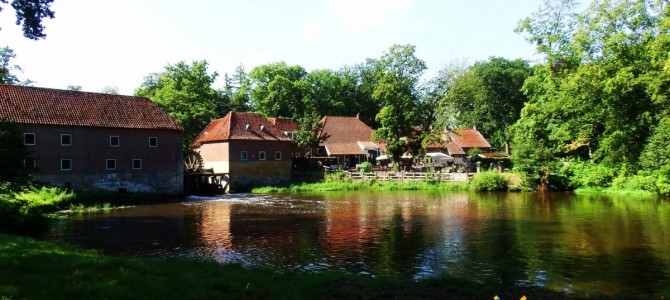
[408,176]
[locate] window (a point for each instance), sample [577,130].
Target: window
[277,155]
[30,163]
[244,155]
[29,139]
[113,140]
[66,140]
[261,155]
[110,164]
[66,164]
[153,142]
[319,151]
[137,164]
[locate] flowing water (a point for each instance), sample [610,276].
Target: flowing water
[613,245]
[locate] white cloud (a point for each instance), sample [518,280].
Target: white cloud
[367,14]
[313,30]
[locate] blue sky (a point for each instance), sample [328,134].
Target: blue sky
[96,43]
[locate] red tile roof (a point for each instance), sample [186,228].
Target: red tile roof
[343,135]
[234,127]
[455,149]
[32,105]
[285,124]
[469,138]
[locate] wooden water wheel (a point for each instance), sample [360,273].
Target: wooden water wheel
[192,162]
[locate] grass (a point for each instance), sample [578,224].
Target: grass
[615,191]
[372,185]
[32,269]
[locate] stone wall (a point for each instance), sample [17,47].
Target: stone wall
[246,175]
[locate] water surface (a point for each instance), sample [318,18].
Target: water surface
[612,245]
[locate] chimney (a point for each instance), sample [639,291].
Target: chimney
[506,147]
[358,116]
[474,127]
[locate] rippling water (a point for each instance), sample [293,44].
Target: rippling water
[561,241]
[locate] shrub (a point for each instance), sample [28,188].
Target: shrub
[587,174]
[338,176]
[365,167]
[488,181]
[25,211]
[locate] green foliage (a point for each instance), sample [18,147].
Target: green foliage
[488,95]
[338,176]
[365,167]
[7,70]
[22,210]
[278,90]
[184,91]
[602,88]
[397,89]
[12,154]
[310,126]
[587,174]
[656,152]
[488,181]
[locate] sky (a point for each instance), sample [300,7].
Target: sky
[100,43]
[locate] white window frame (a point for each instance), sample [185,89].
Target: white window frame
[262,155]
[244,155]
[277,155]
[118,141]
[61,139]
[34,138]
[155,138]
[107,161]
[137,160]
[64,160]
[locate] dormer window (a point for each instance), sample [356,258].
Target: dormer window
[263,128]
[247,127]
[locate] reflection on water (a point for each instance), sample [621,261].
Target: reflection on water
[561,241]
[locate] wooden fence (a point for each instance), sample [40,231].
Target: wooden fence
[408,176]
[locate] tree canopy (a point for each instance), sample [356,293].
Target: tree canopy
[185,92]
[604,86]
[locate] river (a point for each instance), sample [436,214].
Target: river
[611,245]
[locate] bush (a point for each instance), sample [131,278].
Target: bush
[25,211]
[365,167]
[587,174]
[338,176]
[488,181]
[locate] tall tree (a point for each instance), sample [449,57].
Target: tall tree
[278,90]
[489,96]
[185,92]
[399,75]
[237,88]
[30,13]
[604,85]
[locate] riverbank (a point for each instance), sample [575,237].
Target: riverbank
[72,273]
[329,186]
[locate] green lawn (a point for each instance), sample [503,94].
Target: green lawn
[32,269]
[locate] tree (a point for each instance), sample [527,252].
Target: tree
[398,75]
[12,154]
[310,127]
[237,90]
[184,91]
[7,75]
[75,88]
[603,86]
[278,90]
[30,13]
[489,96]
